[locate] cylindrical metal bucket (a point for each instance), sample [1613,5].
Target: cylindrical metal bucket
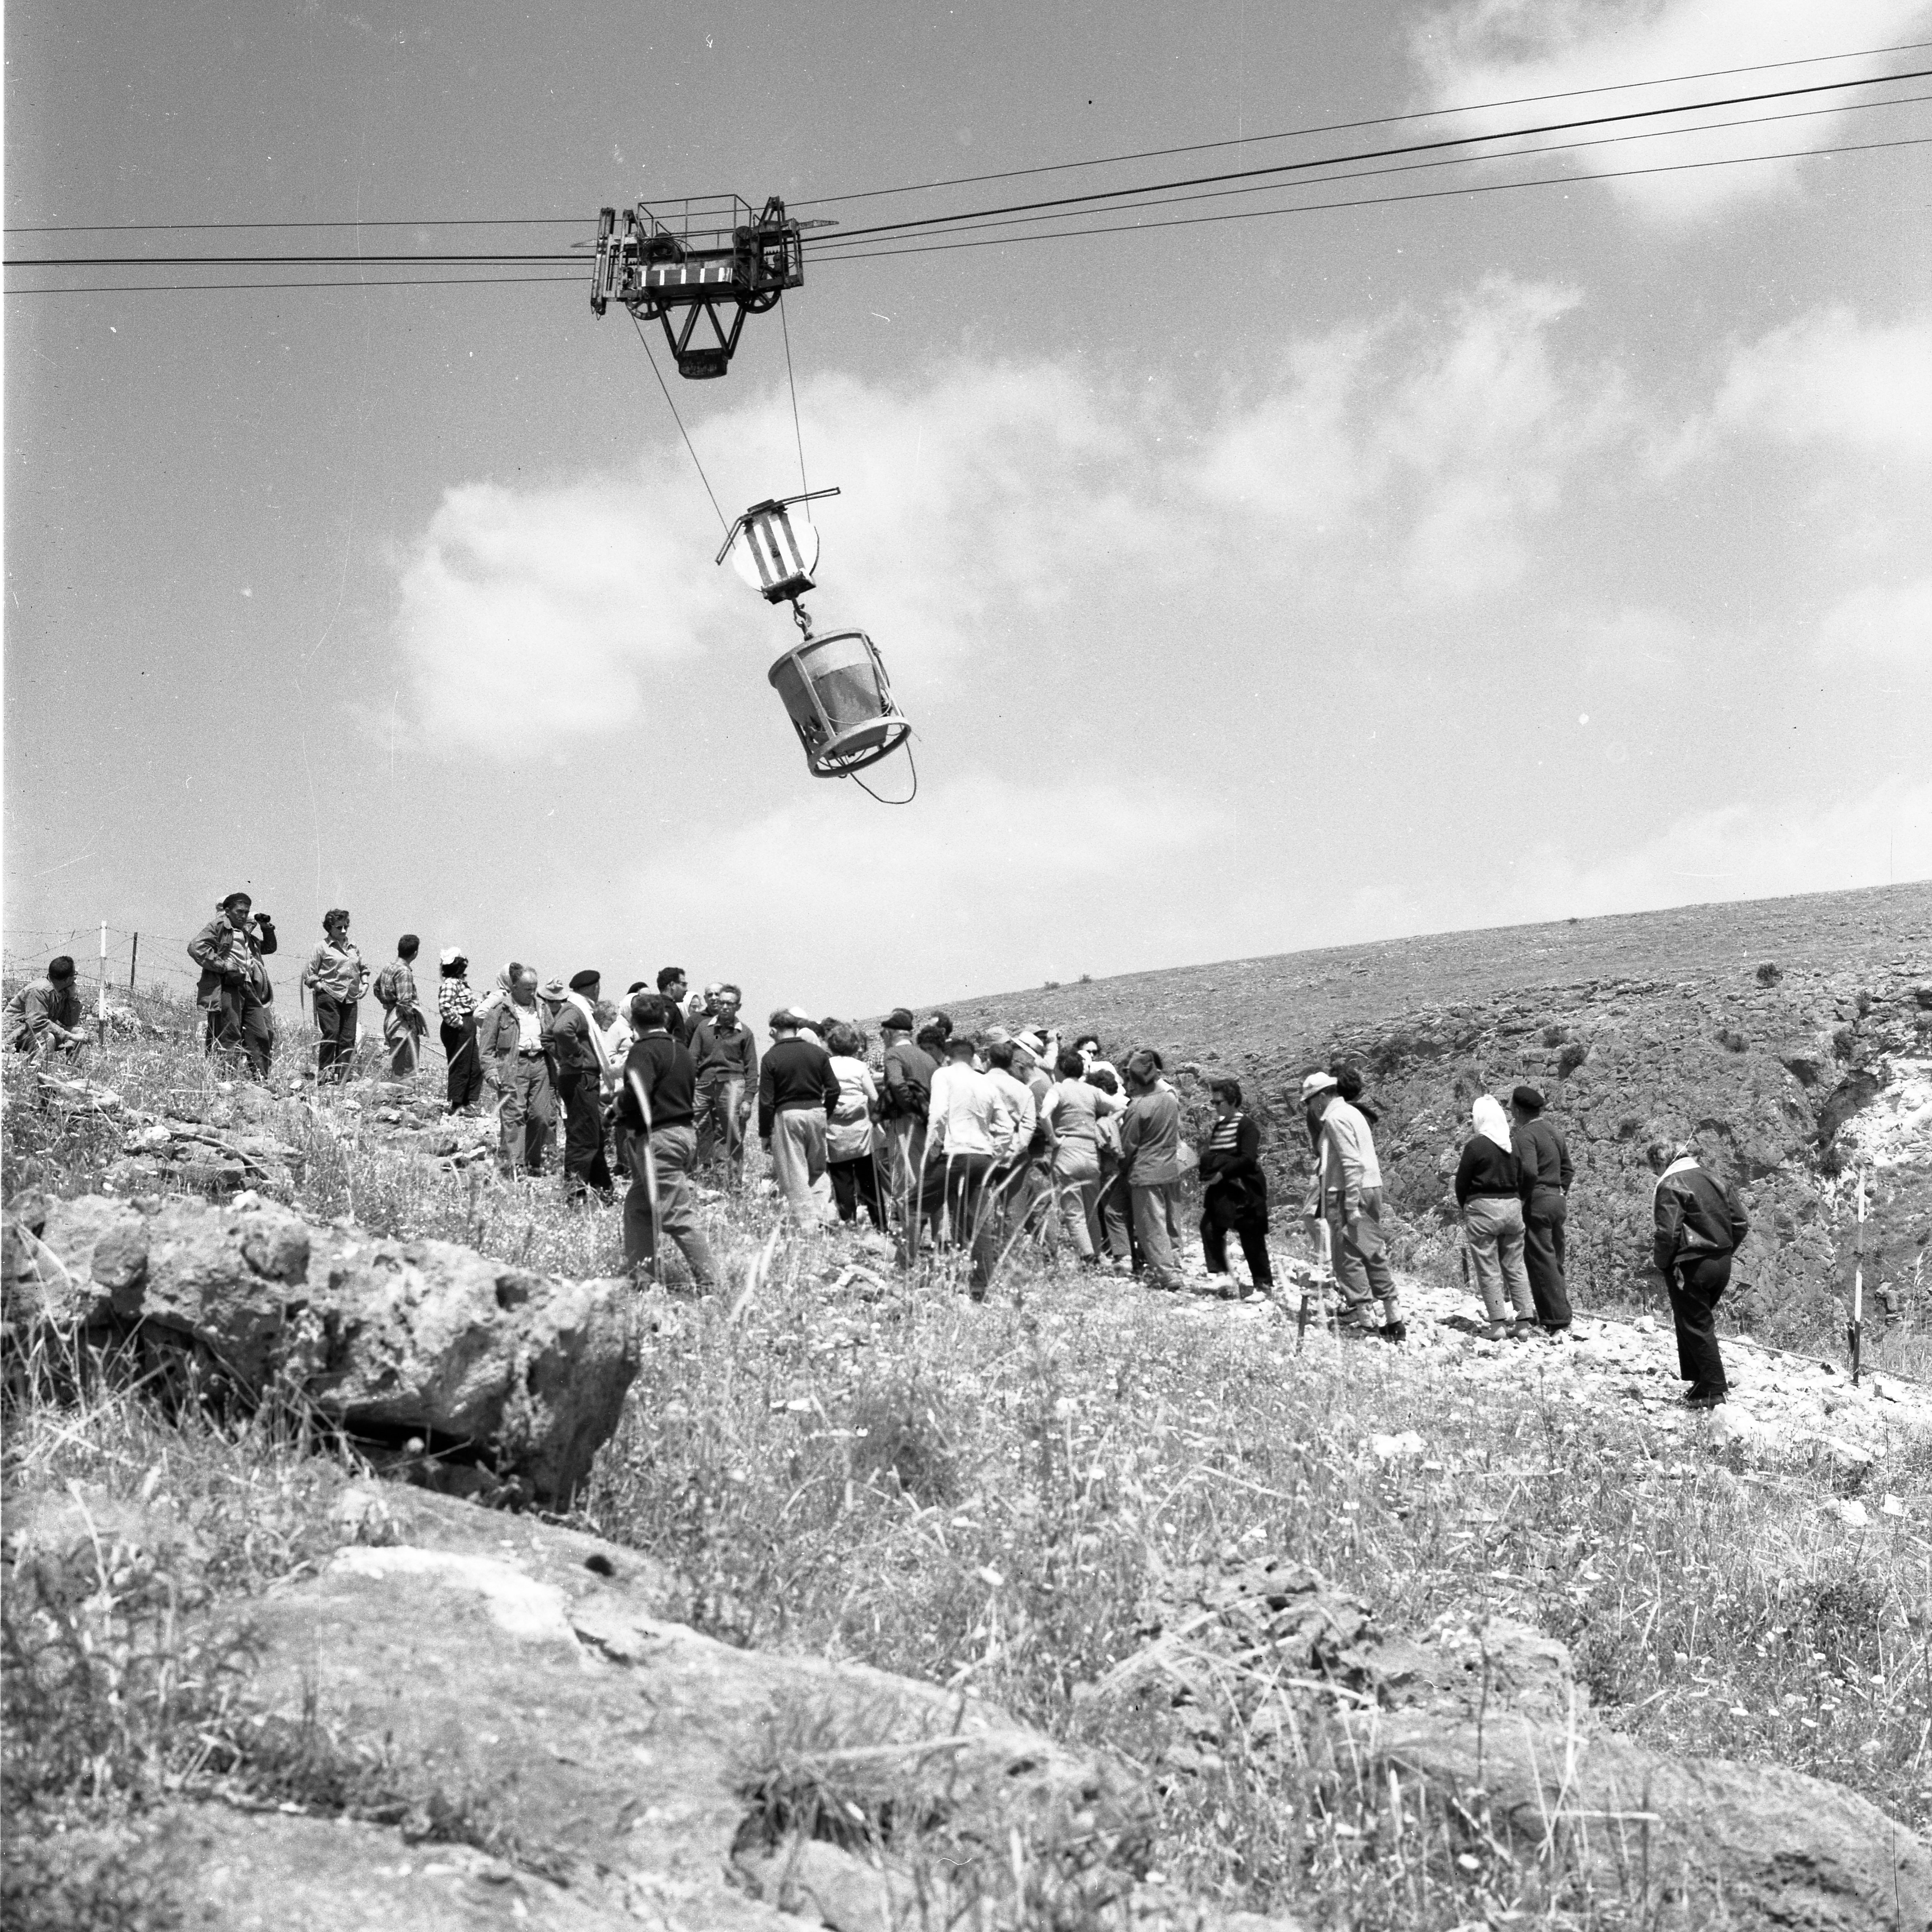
[835,691]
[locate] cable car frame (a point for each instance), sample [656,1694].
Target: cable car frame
[699,274]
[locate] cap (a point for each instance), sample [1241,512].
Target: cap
[1528,1098]
[582,982]
[1316,1083]
[899,1019]
[995,1034]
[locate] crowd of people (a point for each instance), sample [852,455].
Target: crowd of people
[939,1138]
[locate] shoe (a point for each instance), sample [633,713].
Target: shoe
[1696,1399]
[1394,1331]
[1498,1331]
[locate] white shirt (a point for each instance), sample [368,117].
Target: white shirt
[1024,1109]
[968,1114]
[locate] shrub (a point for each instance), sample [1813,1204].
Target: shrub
[1769,973]
[1731,1040]
[1572,1057]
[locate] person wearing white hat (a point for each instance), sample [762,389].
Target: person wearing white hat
[1348,1196]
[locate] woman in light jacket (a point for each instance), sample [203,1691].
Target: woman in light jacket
[851,1138]
[1489,1191]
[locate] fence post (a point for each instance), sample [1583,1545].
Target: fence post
[134,959]
[100,1002]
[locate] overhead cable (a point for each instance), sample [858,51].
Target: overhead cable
[1373,201]
[1436,146]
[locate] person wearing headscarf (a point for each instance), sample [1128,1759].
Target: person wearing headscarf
[1349,1197]
[1490,1189]
[1697,1227]
[456,1018]
[513,1038]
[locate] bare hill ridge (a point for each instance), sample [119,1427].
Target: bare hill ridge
[1791,1038]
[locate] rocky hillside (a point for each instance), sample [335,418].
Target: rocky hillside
[1791,1038]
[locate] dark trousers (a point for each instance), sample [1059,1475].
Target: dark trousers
[466,1065]
[1251,1231]
[1543,1256]
[856,1181]
[1695,1286]
[584,1166]
[335,1050]
[958,1187]
[241,1024]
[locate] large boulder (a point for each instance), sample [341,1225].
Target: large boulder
[531,1743]
[392,1340]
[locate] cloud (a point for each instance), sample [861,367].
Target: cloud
[977,887]
[1485,50]
[990,507]
[1827,377]
[530,615]
[1881,623]
[1440,439]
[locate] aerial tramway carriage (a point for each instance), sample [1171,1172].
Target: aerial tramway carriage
[700,272]
[834,688]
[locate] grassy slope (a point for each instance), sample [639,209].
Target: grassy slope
[1309,996]
[1007,1498]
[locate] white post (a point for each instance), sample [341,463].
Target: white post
[101,1019]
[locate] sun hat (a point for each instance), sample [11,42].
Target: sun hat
[1316,1083]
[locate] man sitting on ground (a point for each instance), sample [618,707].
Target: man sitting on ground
[45,1015]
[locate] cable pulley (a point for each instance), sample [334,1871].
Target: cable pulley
[713,265]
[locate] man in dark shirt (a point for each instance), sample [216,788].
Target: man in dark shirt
[907,1094]
[579,1086]
[672,986]
[1699,1224]
[726,1057]
[1546,1173]
[797,1090]
[654,1107]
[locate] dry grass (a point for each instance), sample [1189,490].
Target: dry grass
[1010,1498]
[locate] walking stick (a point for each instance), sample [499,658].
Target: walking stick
[1316,1283]
[650,1161]
[1854,1334]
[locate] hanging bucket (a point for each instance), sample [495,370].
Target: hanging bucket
[835,688]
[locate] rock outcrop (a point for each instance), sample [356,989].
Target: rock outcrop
[1483,1717]
[393,1340]
[549,1751]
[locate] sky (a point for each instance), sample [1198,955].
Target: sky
[1251,586]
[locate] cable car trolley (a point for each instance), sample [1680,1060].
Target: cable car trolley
[700,272]
[834,688]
